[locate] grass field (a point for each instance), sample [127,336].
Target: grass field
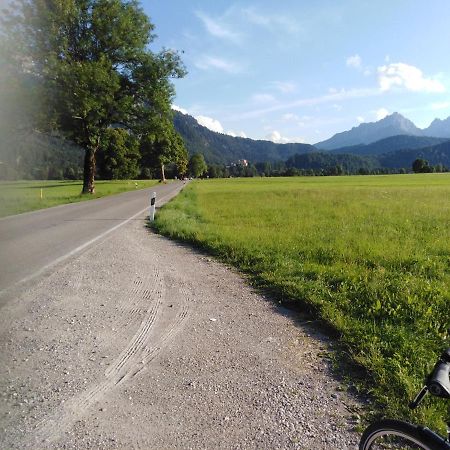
[370,255]
[21,196]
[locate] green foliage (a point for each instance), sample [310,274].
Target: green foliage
[369,255]
[118,157]
[197,165]
[164,147]
[421,166]
[92,68]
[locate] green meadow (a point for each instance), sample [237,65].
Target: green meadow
[22,196]
[369,255]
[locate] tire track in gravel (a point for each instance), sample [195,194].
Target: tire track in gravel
[131,308]
[150,353]
[139,339]
[158,328]
[147,353]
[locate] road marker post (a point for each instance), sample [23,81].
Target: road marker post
[152,206]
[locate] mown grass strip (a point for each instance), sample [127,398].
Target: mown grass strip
[368,255]
[22,196]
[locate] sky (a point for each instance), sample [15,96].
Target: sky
[301,70]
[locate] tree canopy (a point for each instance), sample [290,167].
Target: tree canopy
[91,67]
[421,165]
[197,165]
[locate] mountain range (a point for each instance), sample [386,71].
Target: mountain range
[393,125]
[392,142]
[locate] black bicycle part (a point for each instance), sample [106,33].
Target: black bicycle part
[438,382]
[396,434]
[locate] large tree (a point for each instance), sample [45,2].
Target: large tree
[162,146]
[90,63]
[197,165]
[421,166]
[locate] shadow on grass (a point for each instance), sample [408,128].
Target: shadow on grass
[47,186]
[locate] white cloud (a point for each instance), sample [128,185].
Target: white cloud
[217,29]
[215,125]
[275,136]
[440,105]
[290,116]
[208,122]
[360,119]
[298,121]
[212,62]
[240,134]
[286,87]
[273,21]
[332,97]
[354,61]
[263,98]
[179,109]
[408,77]
[381,113]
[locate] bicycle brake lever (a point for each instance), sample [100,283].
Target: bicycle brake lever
[419,397]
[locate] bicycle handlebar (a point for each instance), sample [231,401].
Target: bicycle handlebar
[438,382]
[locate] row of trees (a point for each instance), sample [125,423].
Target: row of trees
[284,169]
[82,69]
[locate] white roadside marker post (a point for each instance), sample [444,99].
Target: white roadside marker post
[152,206]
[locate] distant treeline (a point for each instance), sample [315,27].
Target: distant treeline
[288,169]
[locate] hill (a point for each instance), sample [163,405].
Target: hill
[435,155]
[391,144]
[218,148]
[400,159]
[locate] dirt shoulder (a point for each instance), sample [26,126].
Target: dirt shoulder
[139,342]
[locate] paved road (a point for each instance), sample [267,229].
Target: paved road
[32,243]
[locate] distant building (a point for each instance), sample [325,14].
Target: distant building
[243,162]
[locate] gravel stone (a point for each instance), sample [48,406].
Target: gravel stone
[140,342]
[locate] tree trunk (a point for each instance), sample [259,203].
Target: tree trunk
[89,171]
[163,174]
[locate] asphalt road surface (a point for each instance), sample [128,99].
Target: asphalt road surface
[32,243]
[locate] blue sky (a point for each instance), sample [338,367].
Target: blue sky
[300,71]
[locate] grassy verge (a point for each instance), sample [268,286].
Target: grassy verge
[368,255]
[22,196]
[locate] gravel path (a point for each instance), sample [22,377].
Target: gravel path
[142,343]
